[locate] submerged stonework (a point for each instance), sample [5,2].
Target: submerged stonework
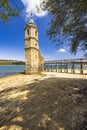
[34,61]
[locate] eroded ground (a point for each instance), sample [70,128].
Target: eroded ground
[50,101]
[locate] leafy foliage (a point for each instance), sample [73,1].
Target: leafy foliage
[69,18]
[8,9]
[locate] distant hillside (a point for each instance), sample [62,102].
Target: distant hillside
[11,62]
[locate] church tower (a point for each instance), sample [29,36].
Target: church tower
[34,61]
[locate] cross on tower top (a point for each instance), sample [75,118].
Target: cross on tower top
[31,15]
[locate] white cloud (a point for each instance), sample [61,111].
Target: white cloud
[47,57]
[61,50]
[33,6]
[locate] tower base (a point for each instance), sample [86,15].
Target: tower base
[32,72]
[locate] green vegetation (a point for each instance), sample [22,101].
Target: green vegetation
[11,62]
[69,19]
[8,9]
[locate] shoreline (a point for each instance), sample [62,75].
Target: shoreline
[46,74]
[7,74]
[2,75]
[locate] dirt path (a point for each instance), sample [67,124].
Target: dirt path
[50,101]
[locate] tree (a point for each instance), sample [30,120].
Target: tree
[8,9]
[69,18]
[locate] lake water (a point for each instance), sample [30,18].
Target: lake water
[15,69]
[11,69]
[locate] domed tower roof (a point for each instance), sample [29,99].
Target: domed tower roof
[31,21]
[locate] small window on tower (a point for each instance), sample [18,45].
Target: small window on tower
[35,44]
[28,31]
[35,33]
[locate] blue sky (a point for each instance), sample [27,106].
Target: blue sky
[12,38]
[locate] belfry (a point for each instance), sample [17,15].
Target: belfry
[34,61]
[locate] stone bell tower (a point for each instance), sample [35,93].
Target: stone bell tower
[34,61]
